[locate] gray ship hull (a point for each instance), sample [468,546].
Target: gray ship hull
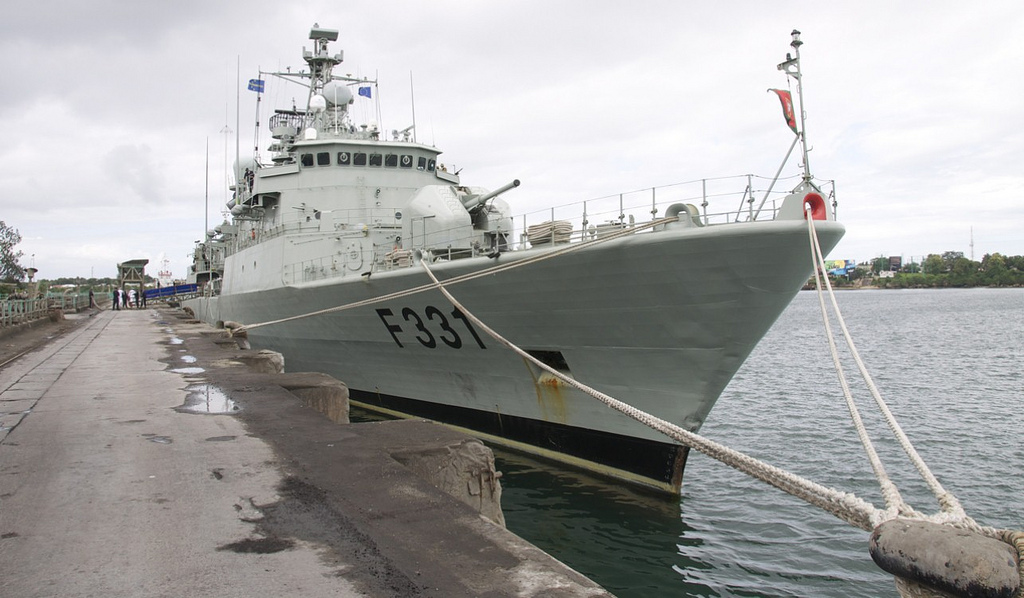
[660,320]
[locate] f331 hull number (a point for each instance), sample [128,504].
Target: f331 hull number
[434,320]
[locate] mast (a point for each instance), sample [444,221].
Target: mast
[792,68]
[412,94]
[238,117]
[206,208]
[319,61]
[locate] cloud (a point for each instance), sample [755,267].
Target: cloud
[914,113]
[133,166]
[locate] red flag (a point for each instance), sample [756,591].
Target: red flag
[787,107]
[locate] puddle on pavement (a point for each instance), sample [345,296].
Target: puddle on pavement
[207,398]
[188,371]
[176,341]
[188,359]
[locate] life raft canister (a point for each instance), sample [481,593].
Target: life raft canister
[817,204]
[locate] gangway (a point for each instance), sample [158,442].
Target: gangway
[176,292]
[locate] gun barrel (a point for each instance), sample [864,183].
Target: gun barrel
[472,203]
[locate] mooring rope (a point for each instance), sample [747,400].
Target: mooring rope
[843,505]
[893,500]
[950,506]
[951,511]
[633,229]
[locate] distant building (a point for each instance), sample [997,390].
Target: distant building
[895,263]
[840,267]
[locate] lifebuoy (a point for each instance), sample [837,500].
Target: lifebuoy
[817,204]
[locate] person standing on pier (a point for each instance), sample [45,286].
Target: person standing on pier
[115,298]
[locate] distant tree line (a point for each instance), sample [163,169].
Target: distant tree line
[90,282]
[952,269]
[83,285]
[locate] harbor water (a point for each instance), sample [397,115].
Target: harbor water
[950,364]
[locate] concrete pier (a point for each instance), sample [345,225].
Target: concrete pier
[140,457]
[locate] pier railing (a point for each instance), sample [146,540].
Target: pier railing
[69,302]
[19,311]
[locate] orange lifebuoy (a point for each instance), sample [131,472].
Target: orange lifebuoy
[817,205]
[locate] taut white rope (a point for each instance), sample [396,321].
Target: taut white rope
[948,503]
[843,505]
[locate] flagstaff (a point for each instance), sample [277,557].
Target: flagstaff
[792,68]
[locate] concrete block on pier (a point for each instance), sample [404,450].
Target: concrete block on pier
[263,362]
[321,392]
[463,469]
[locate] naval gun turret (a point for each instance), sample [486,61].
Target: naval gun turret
[475,202]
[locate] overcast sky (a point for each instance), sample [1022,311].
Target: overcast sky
[915,109]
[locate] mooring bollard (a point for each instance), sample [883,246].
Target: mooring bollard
[947,560]
[241,336]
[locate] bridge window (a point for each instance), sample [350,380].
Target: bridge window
[406,161]
[391,160]
[376,159]
[430,166]
[307,159]
[323,159]
[421,164]
[359,159]
[344,158]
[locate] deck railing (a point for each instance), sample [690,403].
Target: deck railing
[736,200]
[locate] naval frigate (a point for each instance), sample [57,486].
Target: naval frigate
[652,298]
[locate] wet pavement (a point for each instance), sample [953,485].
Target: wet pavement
[139,457]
